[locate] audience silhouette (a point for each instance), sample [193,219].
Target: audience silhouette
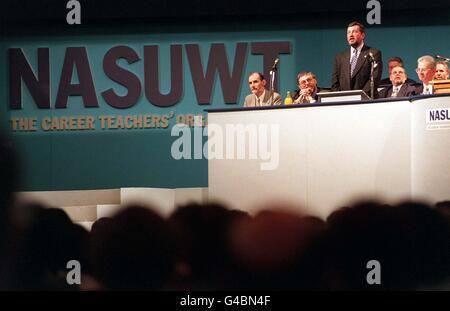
[212,247]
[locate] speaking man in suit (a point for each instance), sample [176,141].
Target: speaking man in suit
[399,87]
[351,69]
[260,96]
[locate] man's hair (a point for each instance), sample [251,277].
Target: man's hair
[442,63]
[355,23]
[396,59]
[261,76]
[400,66]
[306,73]
[427,59]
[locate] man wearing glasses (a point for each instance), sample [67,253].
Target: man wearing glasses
[307,88]
[399,87]
[426,69]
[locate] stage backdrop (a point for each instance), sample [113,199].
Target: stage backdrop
[96,111]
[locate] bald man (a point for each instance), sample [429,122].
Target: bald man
[260,95]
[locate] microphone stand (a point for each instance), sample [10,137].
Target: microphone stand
[372,82]
[272,83]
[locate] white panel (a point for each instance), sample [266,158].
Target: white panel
[108,210]
[431,151]
[358,151]
[81,213]
[241,182]
[329,155]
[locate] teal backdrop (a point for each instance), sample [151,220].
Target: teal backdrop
[103,159]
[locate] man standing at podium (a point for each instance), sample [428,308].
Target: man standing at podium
[260,96]
[351,69]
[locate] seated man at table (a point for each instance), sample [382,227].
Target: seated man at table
[426,68]
[260,95]
[394,62]
[441,71]
[399,87]
[307,88]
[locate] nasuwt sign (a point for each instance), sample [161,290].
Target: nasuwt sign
[76,79]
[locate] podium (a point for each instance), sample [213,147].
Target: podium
[441,86]
[352,95]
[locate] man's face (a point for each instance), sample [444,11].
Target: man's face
[256,84]
[424,72]
[398,76]
[393,64]
[441,72]
[354,36]
[307,82]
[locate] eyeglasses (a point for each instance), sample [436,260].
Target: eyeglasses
[308,80]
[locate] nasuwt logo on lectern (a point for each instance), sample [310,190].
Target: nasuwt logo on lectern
[438,118]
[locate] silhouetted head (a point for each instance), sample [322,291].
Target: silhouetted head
[274,249]
[8,176]
[133,251]
[203,234]
[409,241]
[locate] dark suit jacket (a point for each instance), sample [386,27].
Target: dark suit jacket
[341,80]
[405,91]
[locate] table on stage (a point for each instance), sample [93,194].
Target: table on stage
[324,156]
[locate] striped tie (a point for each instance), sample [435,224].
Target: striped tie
[353,61]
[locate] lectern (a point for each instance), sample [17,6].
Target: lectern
[340,96]
[441,86]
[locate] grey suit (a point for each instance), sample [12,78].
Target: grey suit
[252,101]
[360,80]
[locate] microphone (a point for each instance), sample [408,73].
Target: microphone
[275,64]
[370,56]
[443,58]
[371,59]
